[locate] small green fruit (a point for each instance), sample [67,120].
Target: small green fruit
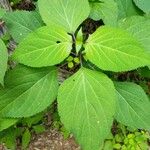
[70,65]
[131,136]
[70,58]
[76,60]
[132,142]
[126,141]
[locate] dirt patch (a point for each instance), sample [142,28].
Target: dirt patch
[52,140]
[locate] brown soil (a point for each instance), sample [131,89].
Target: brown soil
[52,140]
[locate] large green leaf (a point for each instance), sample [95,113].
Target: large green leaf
[143,5]
[3,61]
[105,10]
[28,91]
[68,14]
[21,23]
[127,8]
[133,105]
[6,123]
[45,47]
[139,27]
[86,104]
[114,50]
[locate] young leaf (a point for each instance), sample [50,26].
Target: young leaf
[21,23]
[39,129]
[3,61]
[138,26]
[132,105]
[79,41]
[86,107]
[105,10]
[143,5]
[26,139]
[68,14]
[45,47]
[30,121]
[6,123]
[9,138]
[28,91]
[114,50]
[126,8]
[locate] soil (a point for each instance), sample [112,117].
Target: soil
[52,140]
[25,5]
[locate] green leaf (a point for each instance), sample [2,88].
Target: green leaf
[68,14]
[108,145]
[132,105]
[2,12]
[6,123]
[127,8]
[143,5]
[138,26]
[79,41]
[39,129]
[33,120]
[145,73]
[86,107]
[45,47]
[3,61]
[26,139]
[115,50]
[105,10]
[21,23]
[28,91]
[9,138]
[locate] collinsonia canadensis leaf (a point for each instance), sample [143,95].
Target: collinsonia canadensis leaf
[86,107]
[132,105]
[3,61]
[45,47]
[6,123]
[68,14]
[28,91]
[139,27]
[127,8]
[21,23]
[115,50]
[105,10]
[143,5]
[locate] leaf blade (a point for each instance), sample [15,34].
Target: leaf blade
[138,26]
[132,105]
[3,61]
[6,123]
[46,46]
[68,14]
[127,8]
[21,23]
[85,93]
[115,50]
[105,10]
[32,91]
[143,5]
